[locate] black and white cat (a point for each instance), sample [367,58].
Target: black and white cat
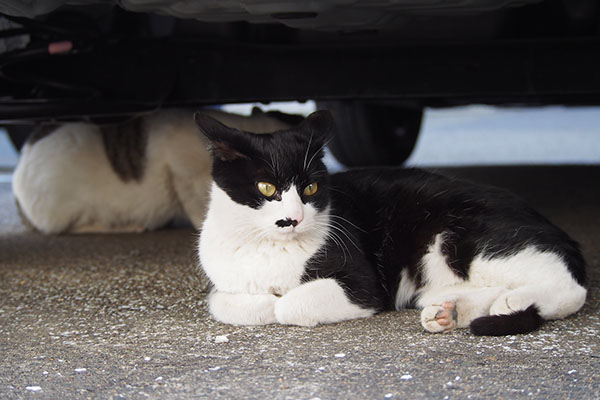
[127,177]
[285,242]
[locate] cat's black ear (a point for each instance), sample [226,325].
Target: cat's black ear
[227,144]
[320,122]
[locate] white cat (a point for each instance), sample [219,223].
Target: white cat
[130,177]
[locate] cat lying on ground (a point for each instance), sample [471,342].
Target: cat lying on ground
[129,177]
[285,242]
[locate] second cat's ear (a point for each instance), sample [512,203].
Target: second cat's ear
[227,144]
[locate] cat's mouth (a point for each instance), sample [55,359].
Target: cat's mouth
[288,227]
[287,231]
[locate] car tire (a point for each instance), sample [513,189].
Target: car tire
[368,133]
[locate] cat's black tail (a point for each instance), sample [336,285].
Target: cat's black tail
[499,325]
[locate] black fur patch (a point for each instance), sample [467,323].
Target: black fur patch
[499,325]
[282,223]
[125,146]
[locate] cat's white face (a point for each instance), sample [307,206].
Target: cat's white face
[288,217]
[278,220]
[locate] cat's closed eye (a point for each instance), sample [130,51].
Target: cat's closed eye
[311,189]
[266,189]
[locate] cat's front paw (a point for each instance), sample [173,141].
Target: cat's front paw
[289,311]
[242,309]
[439,318]
[322,301]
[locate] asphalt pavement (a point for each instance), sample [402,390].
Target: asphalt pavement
[124,317]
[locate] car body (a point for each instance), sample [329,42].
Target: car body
[376,64]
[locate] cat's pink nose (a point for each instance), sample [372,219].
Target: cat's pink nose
[296,215]
[297,218]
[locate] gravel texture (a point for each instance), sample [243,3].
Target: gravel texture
[123,317]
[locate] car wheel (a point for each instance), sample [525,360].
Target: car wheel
[368,133]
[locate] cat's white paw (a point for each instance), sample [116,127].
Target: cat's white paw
[439,318]
[322,301]
[291,310]
[242,309]
[510,303]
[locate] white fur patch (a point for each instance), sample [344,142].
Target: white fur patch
[435,270]
[320,301]
[499,286]
[533,277]
[242,308]
[406,290]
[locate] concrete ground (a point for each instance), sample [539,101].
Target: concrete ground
[124,317]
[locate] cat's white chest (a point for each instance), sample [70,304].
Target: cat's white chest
[236,264]
[239,252]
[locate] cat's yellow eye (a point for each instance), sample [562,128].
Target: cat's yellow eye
[311,189]
[266,188]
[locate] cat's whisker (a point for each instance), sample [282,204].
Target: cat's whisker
[345,220]
[308,150]
[259,235]
[271,165]
[319,173]
[251,234]
[337,240]
[334,189]
[317,152]
[340,228]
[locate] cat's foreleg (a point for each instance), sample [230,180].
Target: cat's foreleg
[318,302]
[444,309]
[242,308]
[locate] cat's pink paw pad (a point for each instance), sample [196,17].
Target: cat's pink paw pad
[439,318]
